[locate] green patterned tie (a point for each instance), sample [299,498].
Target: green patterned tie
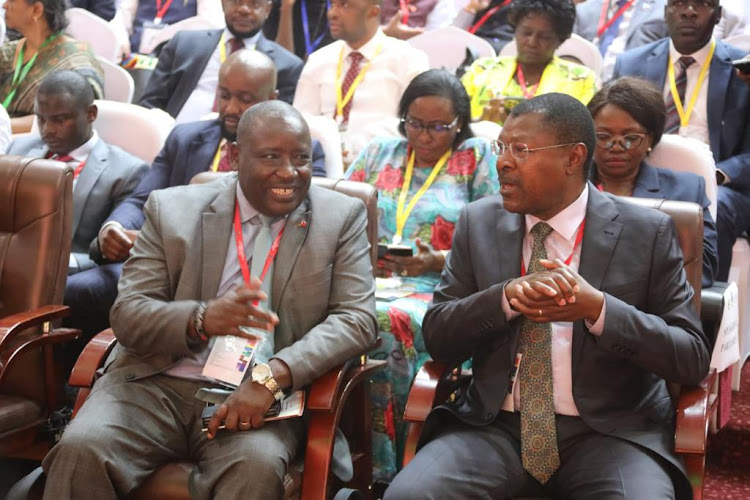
[538,433]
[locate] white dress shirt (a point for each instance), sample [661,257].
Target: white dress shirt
[560,244]
[375,101]
[201,100]
[697,127]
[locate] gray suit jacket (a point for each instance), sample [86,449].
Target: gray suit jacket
[322,289]
[110,175]
[647,24]
[651,331]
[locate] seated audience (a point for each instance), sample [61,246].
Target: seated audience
[103,177]
[619,25]
[43,49]
[629,117]
[424,179]
[191,149]
[360,78]
[299,26]
[487,19]
[735,19]
[177,293]
[184,81]
[403,19]
[573,334]
[705,100]
[135,19]
[102,8]
[495,84]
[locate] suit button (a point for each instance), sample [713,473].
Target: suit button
[489,417]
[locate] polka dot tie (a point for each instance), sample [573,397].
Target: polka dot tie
[356,59]
[225,165]
[538,433]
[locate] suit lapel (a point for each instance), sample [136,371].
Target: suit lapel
[202,149]
[513,228]
[647,181]
[96,163]
[643,11]
[217,226]
[656,63]
[263,45]
[720,72]
[295,232]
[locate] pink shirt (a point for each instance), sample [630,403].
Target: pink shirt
[560,244]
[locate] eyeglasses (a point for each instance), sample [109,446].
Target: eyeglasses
[521,151]
[697,4]
[626,142]
[415,126]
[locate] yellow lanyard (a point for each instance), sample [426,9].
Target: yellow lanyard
[223,48]
[685,115]
[401,214]
[342,102]
[217,157]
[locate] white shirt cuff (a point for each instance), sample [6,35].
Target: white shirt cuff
[598,327]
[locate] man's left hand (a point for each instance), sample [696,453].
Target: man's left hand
[540,308]
[243,410]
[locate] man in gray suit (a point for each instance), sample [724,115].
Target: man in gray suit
[570,358]
[622,26]
[183,286]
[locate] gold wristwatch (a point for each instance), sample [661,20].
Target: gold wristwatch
[263,375]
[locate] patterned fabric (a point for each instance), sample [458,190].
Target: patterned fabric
[469,175]
[672,124]
[491,77]
[351,75]
[538,432]
[225,165]
[62,53]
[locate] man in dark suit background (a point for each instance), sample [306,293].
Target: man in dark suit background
[600,320]
[102,8]
[721,115]
[104,175]
[184,81]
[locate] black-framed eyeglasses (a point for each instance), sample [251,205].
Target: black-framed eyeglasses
[626,142]
[696,4]
[415,126]
[519,150]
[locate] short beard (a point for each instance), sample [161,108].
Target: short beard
[226,134]
[240,35]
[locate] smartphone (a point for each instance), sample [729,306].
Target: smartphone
[743,65]
[397,250]
[209,411]
[511,102]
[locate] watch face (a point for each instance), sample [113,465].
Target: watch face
[261,373]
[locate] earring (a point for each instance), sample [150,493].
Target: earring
[649,150]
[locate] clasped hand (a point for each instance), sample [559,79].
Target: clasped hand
[556,294]
[226,314]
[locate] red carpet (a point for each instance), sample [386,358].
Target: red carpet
[728,458]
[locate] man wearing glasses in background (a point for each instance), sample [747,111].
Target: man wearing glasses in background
[574,308]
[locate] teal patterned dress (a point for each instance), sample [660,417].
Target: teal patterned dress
[469,174]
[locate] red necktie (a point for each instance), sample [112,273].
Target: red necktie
[224,164]
[355,58]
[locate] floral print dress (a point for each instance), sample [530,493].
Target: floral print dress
[470,174]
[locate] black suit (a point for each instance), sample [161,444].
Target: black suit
[651,330]
[102,8]
[184,58]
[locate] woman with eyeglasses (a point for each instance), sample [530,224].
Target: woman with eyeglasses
[424,179]
[629,115]
[496,84]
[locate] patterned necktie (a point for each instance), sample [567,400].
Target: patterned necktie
[262,246]
[225,165]
[611,32]
[672,125]
[356,59]
[538,433]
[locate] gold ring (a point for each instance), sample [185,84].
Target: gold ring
[540,312]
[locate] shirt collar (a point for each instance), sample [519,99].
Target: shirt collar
[81,153]
[368,49]
[567,221]
[249,43]
[699,55]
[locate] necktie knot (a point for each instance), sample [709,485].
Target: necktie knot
[686,62]
[540,231]
[236,44]
[264,220]
[356,58]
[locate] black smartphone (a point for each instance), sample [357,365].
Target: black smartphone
[397,250]
[743,65]
[209,411]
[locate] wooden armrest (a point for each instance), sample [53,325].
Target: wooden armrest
[423,391]
[16,323]
[58,336]
[92,358]
[691,428]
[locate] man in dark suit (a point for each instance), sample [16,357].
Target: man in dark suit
[594,320]
[102,8]
[184,81]
[721,114]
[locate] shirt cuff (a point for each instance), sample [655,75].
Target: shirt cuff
[510,314]
[598,327]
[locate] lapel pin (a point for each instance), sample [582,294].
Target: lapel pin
[302,224]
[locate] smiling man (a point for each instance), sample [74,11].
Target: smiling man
[184,83]
[184,285]
[716,104]
[575,311]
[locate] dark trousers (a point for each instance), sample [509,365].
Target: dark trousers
[464,462]
[733,219]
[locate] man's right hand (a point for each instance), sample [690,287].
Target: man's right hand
[224,315]
[115,242]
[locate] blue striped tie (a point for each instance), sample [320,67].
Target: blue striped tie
[672,125]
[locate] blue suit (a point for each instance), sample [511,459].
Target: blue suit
[729,131]
[665,184]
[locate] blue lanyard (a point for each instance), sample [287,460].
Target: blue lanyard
[310,46]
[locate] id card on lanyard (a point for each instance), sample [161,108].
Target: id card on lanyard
[152,28]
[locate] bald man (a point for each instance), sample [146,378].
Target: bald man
[183,285]
[246,78]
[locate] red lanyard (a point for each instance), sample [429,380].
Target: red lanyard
[522,82]
[161,10]
[79,169]
[405,10]
[579,239]
[239,240]
[487,15]
[603,23]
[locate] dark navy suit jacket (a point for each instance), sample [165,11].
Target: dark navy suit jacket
[183,59]
[662,183]
[728,103]
[102,8]
[188,151]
